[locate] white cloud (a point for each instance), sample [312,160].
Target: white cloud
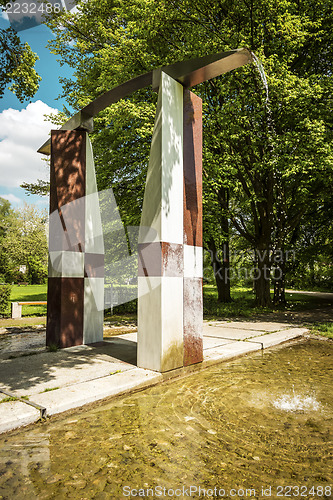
[4,15]
[21,134]
[14,200]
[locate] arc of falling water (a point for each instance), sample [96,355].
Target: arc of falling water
[261,71]
[271,128]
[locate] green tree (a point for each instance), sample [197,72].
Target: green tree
[17,63]
[5,217]
[5,212]
[271,156]
[311,249]
[25,244]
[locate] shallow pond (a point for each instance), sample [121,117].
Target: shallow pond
[259,422]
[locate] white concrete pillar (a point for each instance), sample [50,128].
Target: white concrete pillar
[93,317]
[160,280]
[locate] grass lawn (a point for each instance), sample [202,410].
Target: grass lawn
[242,305]
[30,293]
[324,329]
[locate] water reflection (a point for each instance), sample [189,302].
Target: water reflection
[221,427]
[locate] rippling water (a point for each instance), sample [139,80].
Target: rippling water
[257,422]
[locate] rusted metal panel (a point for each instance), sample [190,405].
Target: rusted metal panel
[65,301]
[67,190]
[94,265]
[160,259]
[192,212]
[67,203]
[192,148]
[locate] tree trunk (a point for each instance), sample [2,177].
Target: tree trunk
[221,271]
[262,277]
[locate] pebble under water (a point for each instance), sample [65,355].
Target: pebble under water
[250,428]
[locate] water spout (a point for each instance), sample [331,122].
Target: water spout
[295,402]
[262,74]
[281,213]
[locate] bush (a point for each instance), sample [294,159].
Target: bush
[127,307]
[5,290]
[37,272]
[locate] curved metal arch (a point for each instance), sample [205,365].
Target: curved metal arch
[188,73]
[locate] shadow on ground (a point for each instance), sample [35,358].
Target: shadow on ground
[66,366]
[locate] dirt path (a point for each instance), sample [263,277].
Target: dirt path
[299,318]
[319,295]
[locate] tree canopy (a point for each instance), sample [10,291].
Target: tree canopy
[17,62]
[23,243]
[267,156]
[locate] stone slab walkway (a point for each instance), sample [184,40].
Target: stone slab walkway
[70,378]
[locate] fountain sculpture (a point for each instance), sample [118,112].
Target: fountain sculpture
[170,241]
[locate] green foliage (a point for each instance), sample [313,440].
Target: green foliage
[53,348]
[5,217]
[5,212]
[243,304]
[273,157]
[8,399]
[5,291]
[17,64]
[41,188]
[128,307]
[23,75]
[37,271]
[312,244]
[324,329]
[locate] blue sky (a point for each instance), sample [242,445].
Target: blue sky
[22,126]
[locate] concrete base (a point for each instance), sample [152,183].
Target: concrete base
[160,320]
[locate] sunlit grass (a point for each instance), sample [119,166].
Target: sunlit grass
[243,304]
[30,293]
[324,329]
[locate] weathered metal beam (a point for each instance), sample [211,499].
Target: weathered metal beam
[188,73]
[195,71]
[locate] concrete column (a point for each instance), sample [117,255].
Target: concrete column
[76,252]
[170,241]
[160,274]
